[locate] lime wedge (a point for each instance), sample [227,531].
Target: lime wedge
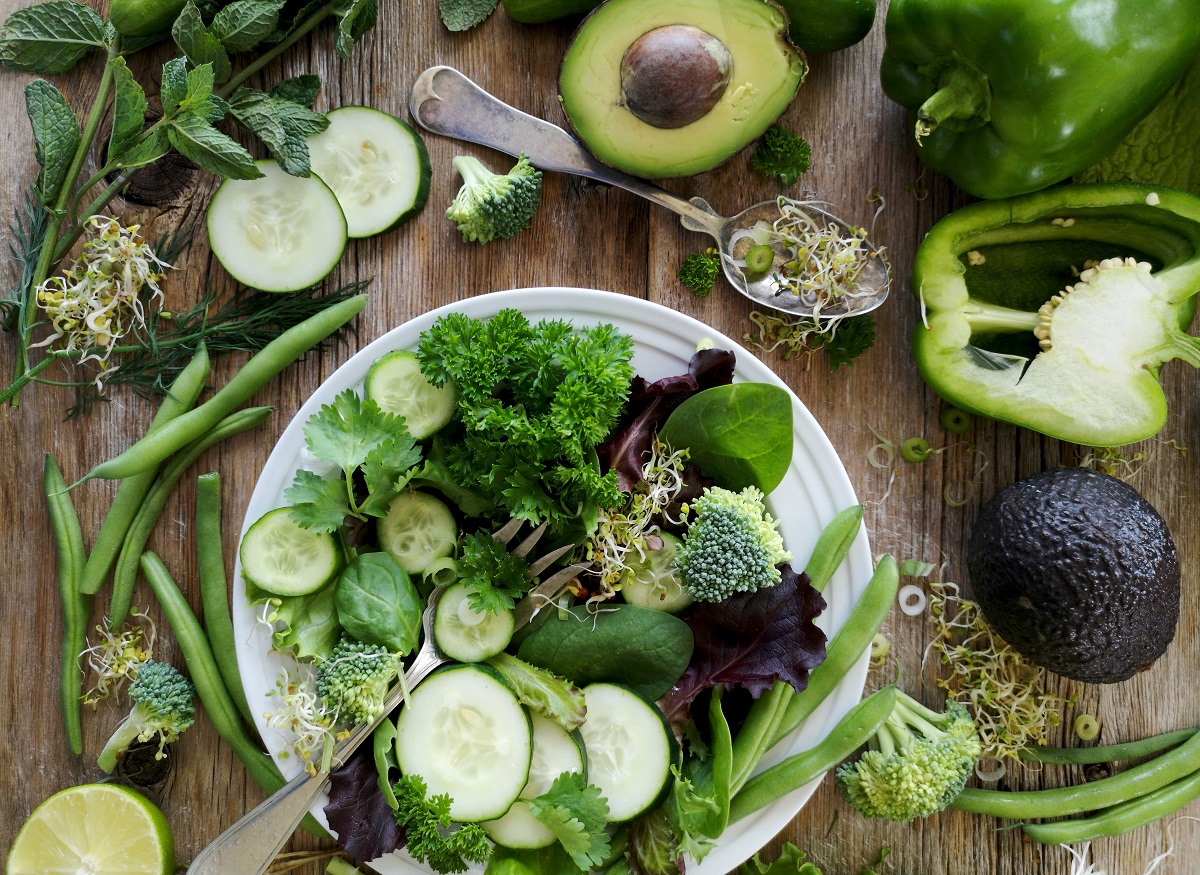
[103,829]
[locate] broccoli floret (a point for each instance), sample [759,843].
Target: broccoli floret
[917,762]
[491,205]
[699,272]
[731,545]
[164,706]
[781,154]
[354,679]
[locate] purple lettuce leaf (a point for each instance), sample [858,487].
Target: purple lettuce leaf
[751,641]
[365,825]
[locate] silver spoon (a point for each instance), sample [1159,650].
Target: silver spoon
[446,102]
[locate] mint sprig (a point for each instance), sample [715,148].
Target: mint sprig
[51,38]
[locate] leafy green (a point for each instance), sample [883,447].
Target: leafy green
[460,15]
[243,25]
[699,802]
[542,691]
[212,150]
[426,823]
[576,813]
[789,862]
[851,338]
[740,434]
[351,433]
[306,625]
[175,84]
[644,649]
[199,44]
[699,271]
[51,37]
[652,844]
[56,136]
[494,574]
[280,123]
[355,18]
[377,603]
[129,109]
[301,89]
[781,154]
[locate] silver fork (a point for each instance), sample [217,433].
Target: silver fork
[250,845]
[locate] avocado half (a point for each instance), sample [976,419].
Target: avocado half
[1078,572]
[662,88]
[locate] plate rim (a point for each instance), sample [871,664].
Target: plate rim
[741,840]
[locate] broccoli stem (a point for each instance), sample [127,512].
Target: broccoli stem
[471,170]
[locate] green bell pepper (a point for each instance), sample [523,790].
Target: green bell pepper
[1009,96]
[1056,310]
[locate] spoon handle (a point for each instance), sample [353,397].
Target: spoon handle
[446,102]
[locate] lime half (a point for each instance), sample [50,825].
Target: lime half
[98,829]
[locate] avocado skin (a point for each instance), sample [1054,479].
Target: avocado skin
[1078,572]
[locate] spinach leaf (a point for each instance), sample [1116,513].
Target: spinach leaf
[740,435]
[377,603]
[644,649]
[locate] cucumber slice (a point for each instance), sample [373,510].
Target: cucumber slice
[554,751]
[279,233]
[466,635]
[376,165]
[281,557]
[417,530]
[652,582]
[396,384]
[464,732]
[629,748]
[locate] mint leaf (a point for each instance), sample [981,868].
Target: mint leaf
[174,84]
[302,89]
[149,150]
[203,144]
[576,813]
[460,15]
[51,37]
[318,504]
[283,125]
[198,98]
[198,44]
[242,25]
[356,18]
[286,29]
[129,110]
[56,136]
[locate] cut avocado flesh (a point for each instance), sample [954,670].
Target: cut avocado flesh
[721,106]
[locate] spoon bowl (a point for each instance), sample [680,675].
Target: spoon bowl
[444,101]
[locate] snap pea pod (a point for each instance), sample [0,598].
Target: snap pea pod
[125,573]
[846,646]
[1120,818]
[214,588]
[851,732]
[1129,784]
[68,538]
[1107,753]
[157,445]
[760,728]
[202,667]
[181,397]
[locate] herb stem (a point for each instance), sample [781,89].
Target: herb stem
[67,240]
[275,51]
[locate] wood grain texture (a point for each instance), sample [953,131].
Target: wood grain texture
[588,236]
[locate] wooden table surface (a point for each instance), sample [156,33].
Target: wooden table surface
[588,236]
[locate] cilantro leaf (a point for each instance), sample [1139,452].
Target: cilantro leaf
[199,44]
[244,24]
[386,471]
[317,503]
[425,820]
[495,576]
[51,37]
[789,862]
[345,432]
[56,136]
[129,109]
[459,15]
[576,813]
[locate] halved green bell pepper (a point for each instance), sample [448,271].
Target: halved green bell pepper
[1056,311]
[1009,96]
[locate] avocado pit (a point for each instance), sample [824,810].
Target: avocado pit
[674,75]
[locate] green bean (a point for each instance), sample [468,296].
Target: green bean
[125,573]
[1133,782]
[157,445]
[1119,818]
[202,666]
[214,588]
[181,397]
[68,538]
[832,546]
[851,732]
[1108,753]
[845,648]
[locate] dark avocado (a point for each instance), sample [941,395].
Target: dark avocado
[1078,572]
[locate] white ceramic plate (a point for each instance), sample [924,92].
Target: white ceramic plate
[815,489]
